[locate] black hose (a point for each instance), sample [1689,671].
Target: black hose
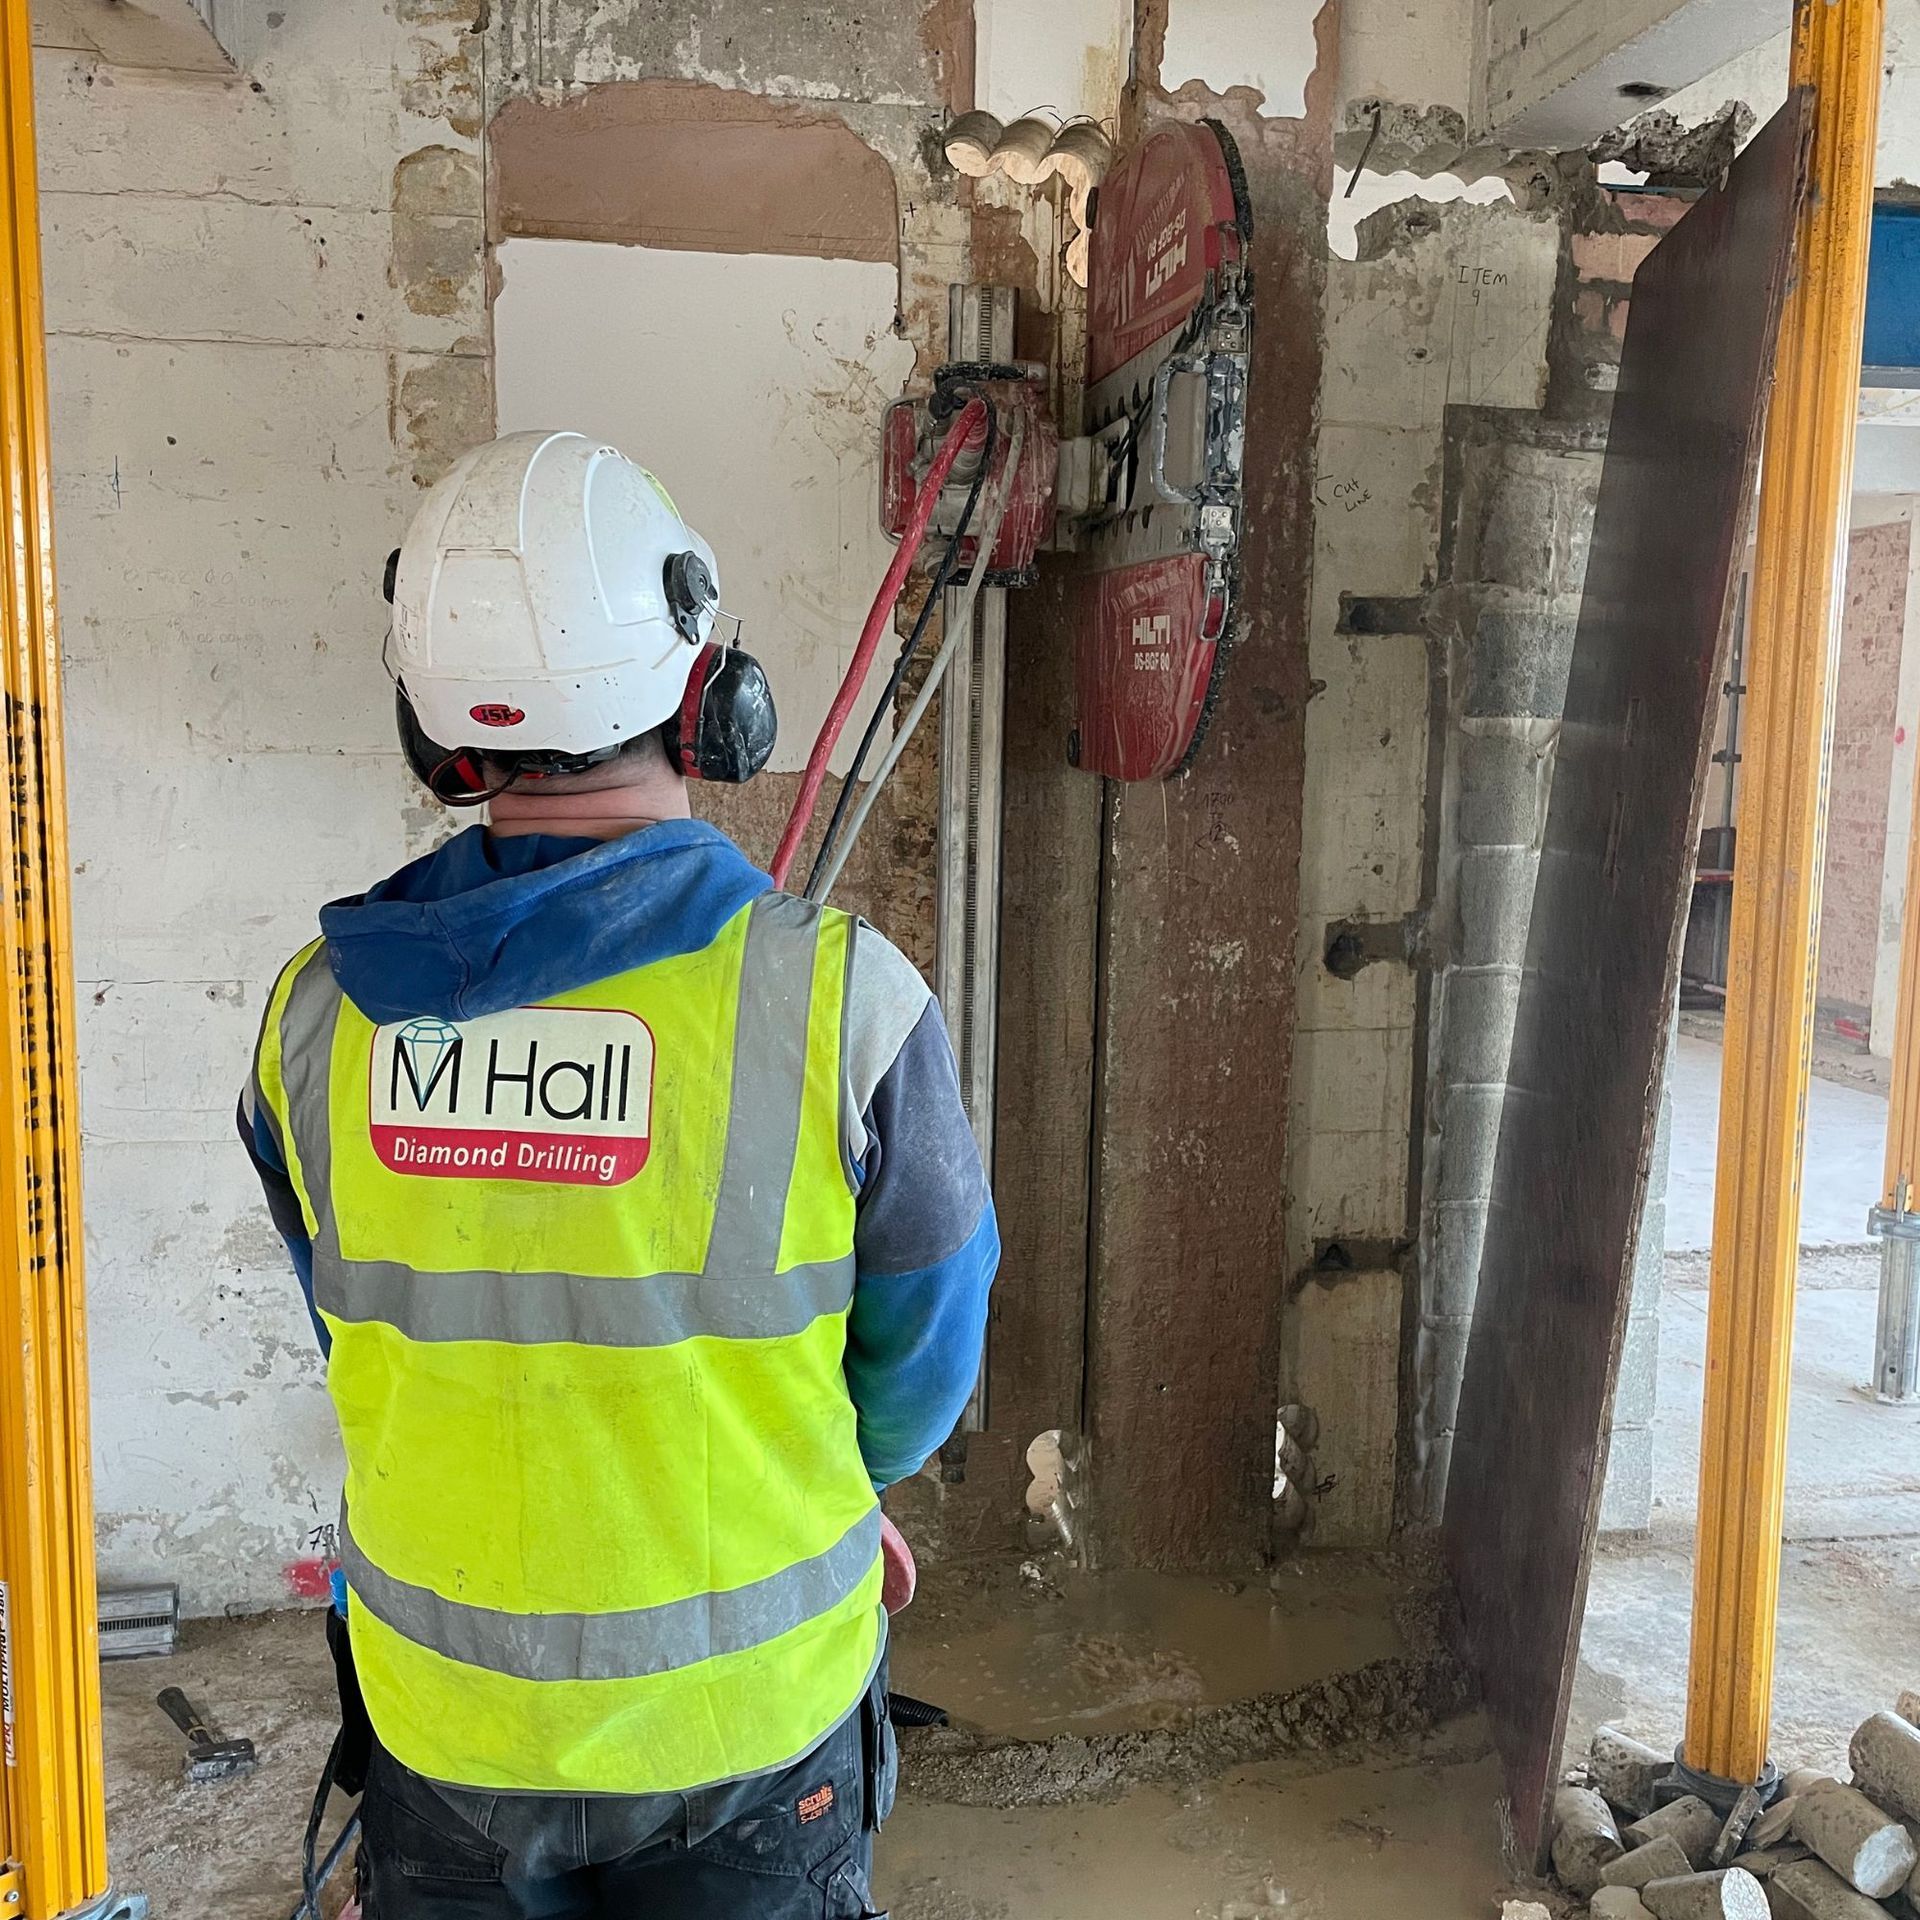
[949,565]
[314,1875]
[905,1711]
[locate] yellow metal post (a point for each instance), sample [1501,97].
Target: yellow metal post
[52,1818]
[1776,901]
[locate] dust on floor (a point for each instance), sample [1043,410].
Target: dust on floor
[1416,1837]
[230,1847]
[1251,1748]
[1849,1633]
[1035,1648]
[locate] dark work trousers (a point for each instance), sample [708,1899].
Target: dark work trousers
[794,1845]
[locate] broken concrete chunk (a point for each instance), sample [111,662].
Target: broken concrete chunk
[1524,1910]
[1885,1751]
[1811,1890]
[1689,1820]
[1867,1848]
[1618,1903]
[1908,1707]
[1585,1840]
[1728,1893]
[1660,1859]
[1626,1770]
[1735,1828]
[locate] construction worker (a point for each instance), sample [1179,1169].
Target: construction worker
[637,1210]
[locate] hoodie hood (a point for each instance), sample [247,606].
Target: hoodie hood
[483,924]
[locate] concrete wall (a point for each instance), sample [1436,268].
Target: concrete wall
[769,236]
[268,303]
[1866,690]
[1447,307]
[1899,808]
[267,331]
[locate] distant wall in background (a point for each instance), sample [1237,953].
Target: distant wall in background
[1866,690]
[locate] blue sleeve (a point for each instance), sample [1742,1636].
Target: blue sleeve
[256,1135]
[926,1248]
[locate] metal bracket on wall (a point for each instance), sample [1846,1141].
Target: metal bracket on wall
[972,758]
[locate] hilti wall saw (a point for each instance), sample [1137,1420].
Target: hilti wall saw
[976,478]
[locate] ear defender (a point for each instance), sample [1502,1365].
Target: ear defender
[726,725]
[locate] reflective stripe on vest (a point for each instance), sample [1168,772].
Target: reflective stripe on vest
[587,1267]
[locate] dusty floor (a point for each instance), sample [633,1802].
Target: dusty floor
[1850,1582]
[1849,1635]
[1846,1146]
[1419,1838]
[1177,1747]
[230,1847]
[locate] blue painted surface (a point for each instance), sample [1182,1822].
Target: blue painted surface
[1893,290]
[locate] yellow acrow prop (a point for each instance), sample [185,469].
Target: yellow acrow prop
[52,1814]
[1776,901]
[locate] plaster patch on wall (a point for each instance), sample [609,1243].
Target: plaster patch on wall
[436,251]
[441,408]
[1069,56]
[754,385]
[445,85]
[1268,45]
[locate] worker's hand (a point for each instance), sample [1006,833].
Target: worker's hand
[899,1576]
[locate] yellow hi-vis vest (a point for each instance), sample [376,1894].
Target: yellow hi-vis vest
[587,1267]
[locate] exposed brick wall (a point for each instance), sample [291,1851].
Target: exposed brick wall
[1864,699]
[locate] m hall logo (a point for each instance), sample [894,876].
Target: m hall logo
[541,1093]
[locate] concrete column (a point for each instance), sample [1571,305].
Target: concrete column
[1520,525]
[1893,883]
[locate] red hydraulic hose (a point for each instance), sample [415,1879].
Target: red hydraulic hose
[967,431]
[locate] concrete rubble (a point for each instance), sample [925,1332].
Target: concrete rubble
[1634,1845]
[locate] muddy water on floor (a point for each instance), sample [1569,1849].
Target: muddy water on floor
[1419,1839]
[1038,1651]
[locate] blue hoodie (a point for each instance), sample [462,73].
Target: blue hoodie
[483,924]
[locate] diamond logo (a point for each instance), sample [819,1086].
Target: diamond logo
[427,1048]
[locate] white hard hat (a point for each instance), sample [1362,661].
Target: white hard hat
[548,598]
